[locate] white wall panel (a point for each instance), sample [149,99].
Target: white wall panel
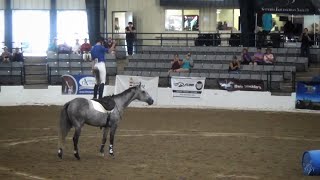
[71,4]
[31,4]
[2,4]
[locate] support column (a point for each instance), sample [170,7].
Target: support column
[8,25]
[53,19]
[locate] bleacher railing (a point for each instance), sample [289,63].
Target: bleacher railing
[273,39]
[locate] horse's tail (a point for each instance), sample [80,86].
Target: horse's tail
[64,125]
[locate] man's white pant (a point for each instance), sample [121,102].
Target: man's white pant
[101,66]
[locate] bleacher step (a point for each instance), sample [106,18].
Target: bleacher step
[280,93]
[36,86]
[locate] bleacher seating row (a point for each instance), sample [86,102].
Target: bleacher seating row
[11,73]
[301,63]
[211,78]
[60,64]
[73,57]
[215,50]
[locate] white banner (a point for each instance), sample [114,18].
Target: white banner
[149,84]
[191,87]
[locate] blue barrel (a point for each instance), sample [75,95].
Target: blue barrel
[311,163]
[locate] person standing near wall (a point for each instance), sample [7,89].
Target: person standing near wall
[130,36]
[305,43]
[99,67]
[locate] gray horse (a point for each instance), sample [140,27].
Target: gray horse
[80,111]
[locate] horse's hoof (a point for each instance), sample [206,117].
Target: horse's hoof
[60,153]
[102,154]
[77,155]
[111,155]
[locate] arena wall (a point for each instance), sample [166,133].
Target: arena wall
[17,95]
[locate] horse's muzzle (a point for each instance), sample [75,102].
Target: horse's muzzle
[150,101]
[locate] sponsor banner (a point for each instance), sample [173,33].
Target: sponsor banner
[308,95]
[190,87]
[241,84]
[289,6]
[149,84]
[77,84]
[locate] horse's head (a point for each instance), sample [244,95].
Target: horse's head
[143,96]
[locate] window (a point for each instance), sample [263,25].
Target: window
[181,20]
[228,19]
[31,30]
[72,25]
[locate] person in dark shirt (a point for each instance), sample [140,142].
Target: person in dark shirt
[99,67]
[130,36]
[175,63]
[17,56]
[234,65]
[305,43]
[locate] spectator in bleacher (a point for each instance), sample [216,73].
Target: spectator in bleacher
[268,57]
[85,49]
[6,55]
[185,64]
[64,48]
[245,57]
[111,45]
[234,66]
[53,47]
[175,63]
[76,47]
[258,57]
[17,56]
[130,37]
[305,43]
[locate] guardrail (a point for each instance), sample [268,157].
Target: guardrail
[273,39]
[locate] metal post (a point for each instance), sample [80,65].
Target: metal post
[255,35]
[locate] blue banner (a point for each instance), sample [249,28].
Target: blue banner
[308,95]
[77,84]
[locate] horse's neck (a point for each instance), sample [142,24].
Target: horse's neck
[123,101]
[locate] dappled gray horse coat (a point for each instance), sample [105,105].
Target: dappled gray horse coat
[80,111]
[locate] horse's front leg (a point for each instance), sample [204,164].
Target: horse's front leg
[104,140]
[112,133]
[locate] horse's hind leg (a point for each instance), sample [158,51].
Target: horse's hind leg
[76,136]
[104,140]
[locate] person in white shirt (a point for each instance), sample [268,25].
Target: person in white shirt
[76,47]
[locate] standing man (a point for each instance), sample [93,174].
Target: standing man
[130,36]
[305,43]
[99,67]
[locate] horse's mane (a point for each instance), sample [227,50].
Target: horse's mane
[123,93]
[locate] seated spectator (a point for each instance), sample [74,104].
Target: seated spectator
[53,47]
[64,48]
[85,50]
[85,47]
[246,58]
[268,57]
[111,45]
[76,47]
[234,66]
[185,64]
[17,56]
[175,63]
[258,57]
[6,55]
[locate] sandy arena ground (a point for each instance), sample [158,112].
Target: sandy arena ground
[161,144]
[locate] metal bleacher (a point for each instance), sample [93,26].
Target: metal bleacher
[11,73]
[213,63]
[73,64]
